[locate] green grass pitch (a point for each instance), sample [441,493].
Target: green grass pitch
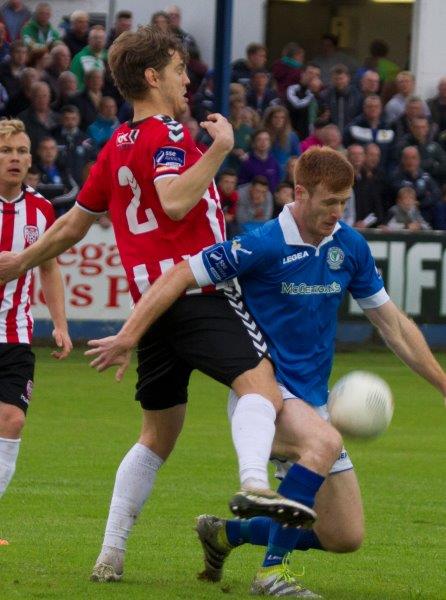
[81,424]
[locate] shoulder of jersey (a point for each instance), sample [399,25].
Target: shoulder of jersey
[175,129]
[30,191]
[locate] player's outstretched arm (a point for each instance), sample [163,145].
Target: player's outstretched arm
[53,290]
[63,234]
[115,350]
[405,339]
[178,195]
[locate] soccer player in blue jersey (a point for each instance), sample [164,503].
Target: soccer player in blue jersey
[294,272]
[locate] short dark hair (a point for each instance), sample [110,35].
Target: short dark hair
[227,173]
[260,180]
[124,14]
[254,48]
[379,48]
[69,108]
[283,185]
[339,69]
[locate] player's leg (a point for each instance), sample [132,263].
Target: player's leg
[162,392]
[12,420]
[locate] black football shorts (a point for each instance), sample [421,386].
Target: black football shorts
[213,333]
[16,374]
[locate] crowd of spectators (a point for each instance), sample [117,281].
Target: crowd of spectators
[57,80]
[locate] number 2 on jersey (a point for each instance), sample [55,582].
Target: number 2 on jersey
[126,177]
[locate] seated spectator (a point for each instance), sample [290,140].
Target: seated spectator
[286,70]
[255,204]
[60,59]
[413,110]
[316,138]
[91,58]
[56,182]
[88,100]
[284,194]
[370,127]
[14,14]
[433,157]
[38,31]
[200,136]
[123,22]
[331,56]
[332,138]
[342,99]
[369,83]
[285,142]
[375,172]
[160,19]
[204,101]
[302,100]
[40,121]
[227,190]
[260,161]
[66,88]
[76,38]
[368,208]
[440,212]
[259,96]
[76,149]
[5,46]
[410,174]
[22,99]
[437,106]
[174,15]
[243,69]
[102,128]
[242,135]
[10,70]
[405,214]
[405,85]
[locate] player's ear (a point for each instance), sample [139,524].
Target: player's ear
[152,77]
[300,193]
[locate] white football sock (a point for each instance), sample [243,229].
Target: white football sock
[9,450]
[134,482]
[253,431]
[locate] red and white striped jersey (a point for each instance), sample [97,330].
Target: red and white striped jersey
[123,182]
[22,221]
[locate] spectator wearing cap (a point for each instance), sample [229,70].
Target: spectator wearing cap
[410,174]
[330,56]
[76,38]
[11,69]
[174,15]
[123,22]
[243,68]
[260,96]
[75,147]
[302,100]
[286,70]
[38,31]
[260,161]
[14,14]
[341,99]
[92,57]
[369,127]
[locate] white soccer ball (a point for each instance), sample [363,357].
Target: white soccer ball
[360,405]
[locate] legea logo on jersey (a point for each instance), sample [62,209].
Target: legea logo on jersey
[31,234]
[335,258]
[293,257]
[169,158]
[129,137]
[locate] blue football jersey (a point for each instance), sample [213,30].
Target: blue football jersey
[294,290]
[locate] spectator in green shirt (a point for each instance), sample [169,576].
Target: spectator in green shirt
[39,32]
[92,57]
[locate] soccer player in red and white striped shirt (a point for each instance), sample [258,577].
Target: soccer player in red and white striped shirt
[24,216]
[159,191]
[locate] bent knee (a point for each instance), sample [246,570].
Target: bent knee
[351,542]
[325,447]
[12,420]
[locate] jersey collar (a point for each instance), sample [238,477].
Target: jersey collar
[291,231]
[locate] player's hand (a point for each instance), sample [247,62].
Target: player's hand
[9,267]
[63,342]
[110,351]
[220,130]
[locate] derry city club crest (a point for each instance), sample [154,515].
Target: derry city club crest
[31,234]
[335,258]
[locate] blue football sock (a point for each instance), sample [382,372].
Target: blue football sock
[300,484]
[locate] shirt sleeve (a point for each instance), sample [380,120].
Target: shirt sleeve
[170,157]
[95,193]
[227,260]
[367,286]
